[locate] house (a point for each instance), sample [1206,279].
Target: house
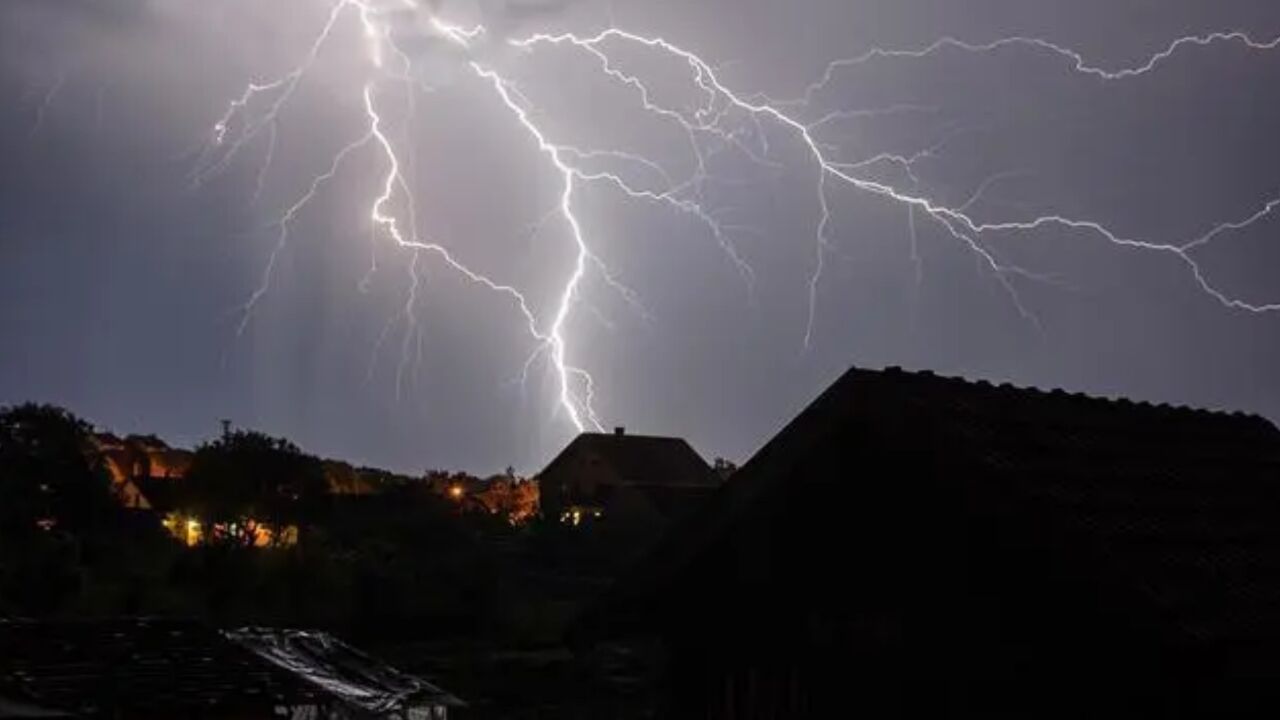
[148,475]
[126,669]
[918,545]
[629,482]
[139,460]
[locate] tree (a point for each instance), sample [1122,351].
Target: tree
[54,493]
[724,468]
[244,481]
[51,478]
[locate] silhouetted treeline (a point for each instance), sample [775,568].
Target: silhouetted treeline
[446,574]
[399,558]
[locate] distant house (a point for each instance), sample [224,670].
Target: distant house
[912,545]
[627,481]
[147,474]
[140,460]
[126,669]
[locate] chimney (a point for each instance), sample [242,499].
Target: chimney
[619,431]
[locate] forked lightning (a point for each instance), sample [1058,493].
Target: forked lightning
[724,120]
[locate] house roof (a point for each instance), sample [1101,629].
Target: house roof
[161,494]
[342,670]
[90,667]
[187,669]
[12,709]
[640,460]
[1181,504]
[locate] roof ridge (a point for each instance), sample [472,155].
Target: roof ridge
[1022,392]
[629,436]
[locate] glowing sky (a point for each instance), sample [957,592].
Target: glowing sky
[417,257]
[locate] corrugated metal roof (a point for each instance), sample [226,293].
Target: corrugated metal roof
[186,669]
[341,670]
[87,667]
[10,709]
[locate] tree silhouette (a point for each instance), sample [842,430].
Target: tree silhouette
[51,479]
[724,468]
[244,481]
[54,494]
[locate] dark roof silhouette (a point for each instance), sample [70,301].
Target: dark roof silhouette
[92,667]
[641,460]
[11,709]
[185,669]
[343,671]
[162,494]
[1175,512]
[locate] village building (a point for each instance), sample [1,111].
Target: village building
[912,545]
[147,475]
[137,461]
[151,669]
[630,483]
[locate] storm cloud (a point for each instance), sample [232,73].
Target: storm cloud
[120,278]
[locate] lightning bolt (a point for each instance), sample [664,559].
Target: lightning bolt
[1075,61]
[46,101]
[722,120]
[954,221]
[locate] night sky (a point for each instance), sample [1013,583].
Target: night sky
[124,270]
